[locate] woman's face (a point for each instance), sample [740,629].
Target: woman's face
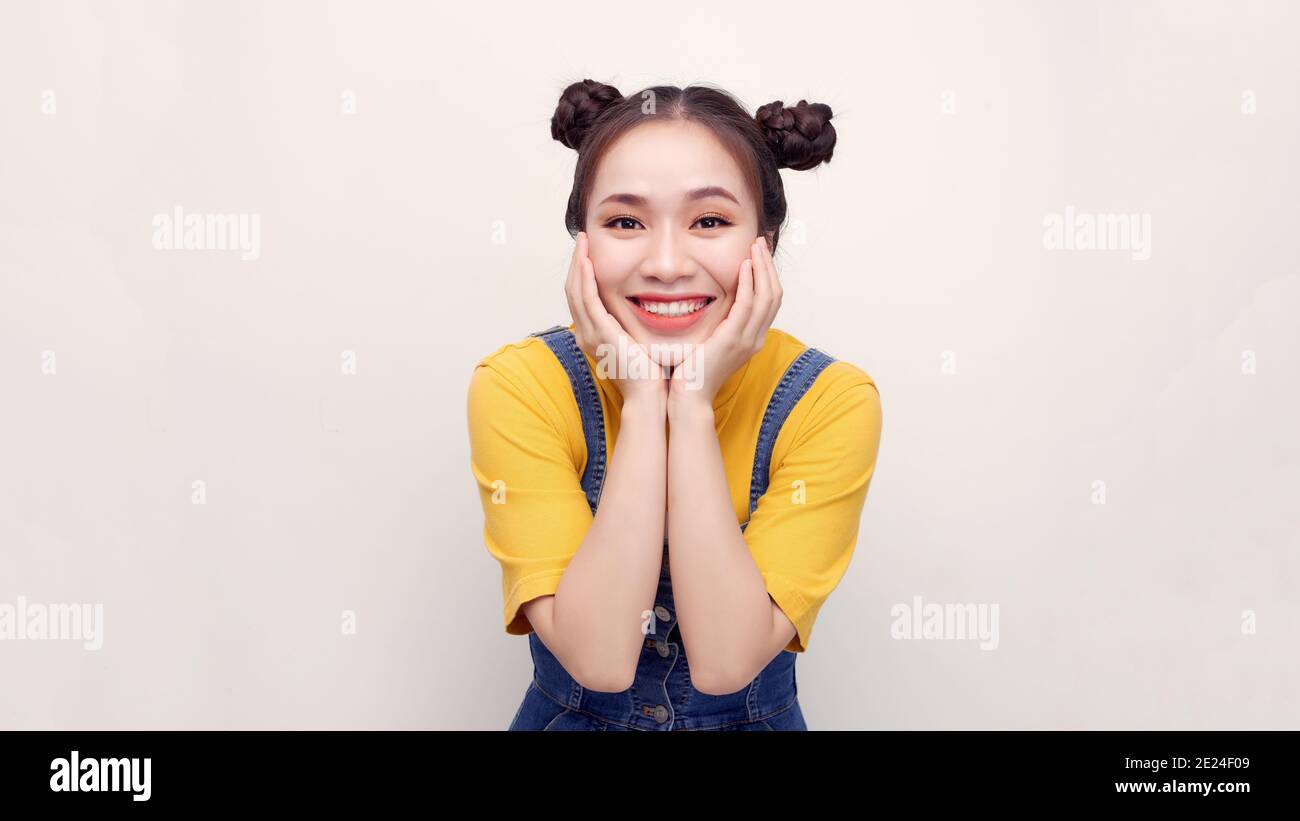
[669,222]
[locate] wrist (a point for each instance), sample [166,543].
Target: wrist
[690,407]
[648,406]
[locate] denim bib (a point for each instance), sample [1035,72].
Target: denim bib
[661,696]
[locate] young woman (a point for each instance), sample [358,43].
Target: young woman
[670,427]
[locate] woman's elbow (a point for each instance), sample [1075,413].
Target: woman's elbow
[604,679]
[591,670]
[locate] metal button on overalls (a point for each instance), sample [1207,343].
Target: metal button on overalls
[662,613]
[662,647]
[661,714]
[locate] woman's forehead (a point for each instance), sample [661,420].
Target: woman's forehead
[665,161]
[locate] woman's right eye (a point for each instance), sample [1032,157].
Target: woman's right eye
[614,222]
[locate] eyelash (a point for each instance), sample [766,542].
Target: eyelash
[725,222]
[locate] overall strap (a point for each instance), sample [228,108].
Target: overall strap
[795,382]
[565,347]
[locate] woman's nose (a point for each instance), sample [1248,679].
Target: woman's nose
[667,258]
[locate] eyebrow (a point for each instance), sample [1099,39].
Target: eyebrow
[697,194]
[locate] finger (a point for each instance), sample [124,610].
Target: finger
[573,261]
[748,287]
[743,305]
[573,291]
[771,287]
[606,327]
[762,291]
[571,279]
[778,290]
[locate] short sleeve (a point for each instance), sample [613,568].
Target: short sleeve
[535,512]
[803,532]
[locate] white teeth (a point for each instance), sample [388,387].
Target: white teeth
[673,308]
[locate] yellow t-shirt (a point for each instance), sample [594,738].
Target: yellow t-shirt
[526,441]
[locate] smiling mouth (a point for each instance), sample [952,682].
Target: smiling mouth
[683,307]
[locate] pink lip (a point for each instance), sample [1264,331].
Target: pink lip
[670,323]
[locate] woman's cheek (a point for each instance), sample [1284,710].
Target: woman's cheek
[727,280]
[727,267]
[609,268]
[606,279]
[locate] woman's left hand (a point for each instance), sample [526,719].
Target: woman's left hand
[696,380]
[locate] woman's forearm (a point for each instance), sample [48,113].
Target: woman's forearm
[612,579]
[722,603]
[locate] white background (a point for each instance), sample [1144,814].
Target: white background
[329,492]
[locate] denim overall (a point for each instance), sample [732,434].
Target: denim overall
[661,696]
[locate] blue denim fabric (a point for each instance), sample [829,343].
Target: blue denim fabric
[661,696]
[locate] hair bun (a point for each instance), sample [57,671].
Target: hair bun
[579,106]
[801,137]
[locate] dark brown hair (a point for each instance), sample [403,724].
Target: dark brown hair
[591,115]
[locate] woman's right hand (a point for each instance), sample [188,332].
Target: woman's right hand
[638,377]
